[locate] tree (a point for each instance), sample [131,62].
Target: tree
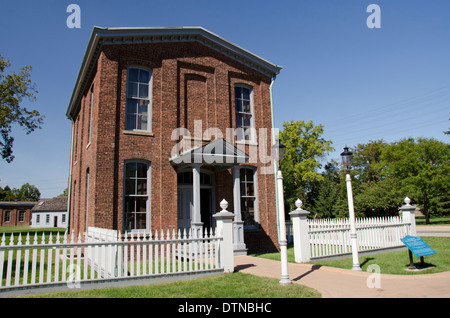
[326,192]
[367,164]
[13,89]
[423,168]
[304,148]
[379,199]
[26,192]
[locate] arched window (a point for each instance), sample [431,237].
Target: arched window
[138,107]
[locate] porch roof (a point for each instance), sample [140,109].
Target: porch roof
[216,153]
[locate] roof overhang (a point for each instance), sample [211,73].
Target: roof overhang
[108,36]
[217,153]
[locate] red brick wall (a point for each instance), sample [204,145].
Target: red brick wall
[14,215]
[190,82]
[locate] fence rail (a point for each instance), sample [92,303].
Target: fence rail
[332,236]
[322,238]
[102,255]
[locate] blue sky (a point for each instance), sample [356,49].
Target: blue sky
[362,84]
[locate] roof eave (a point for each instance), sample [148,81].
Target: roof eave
[199,34]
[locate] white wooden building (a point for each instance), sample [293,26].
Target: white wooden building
[50,213]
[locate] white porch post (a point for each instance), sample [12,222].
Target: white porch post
[238,225]
[196,220]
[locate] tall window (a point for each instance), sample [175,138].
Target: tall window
[137,178]
[138,106]
[87,200]
[244,112]
[248,196]
[7,216]
[21,216]
[91,106]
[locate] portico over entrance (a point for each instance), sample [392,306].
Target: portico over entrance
[197,187]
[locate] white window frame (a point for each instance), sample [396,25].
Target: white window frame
[7,216]
[21,216]
[250,131]
[255,202]
[149,99]
[148,202]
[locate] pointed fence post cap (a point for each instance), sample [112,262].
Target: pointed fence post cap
[224,214]
[224,205]
[299,211]
[407,200]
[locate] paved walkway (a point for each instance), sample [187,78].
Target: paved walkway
[433,230]
[341,283]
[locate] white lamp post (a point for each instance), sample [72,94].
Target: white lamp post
[280,149]
[347,157]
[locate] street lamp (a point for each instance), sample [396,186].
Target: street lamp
[279,149]
[347,157]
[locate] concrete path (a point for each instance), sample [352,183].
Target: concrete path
[433,230]
[341,283]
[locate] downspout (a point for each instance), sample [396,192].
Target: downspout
[274,161]
[69,188]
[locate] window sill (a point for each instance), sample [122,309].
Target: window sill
[246,142]
[138,133]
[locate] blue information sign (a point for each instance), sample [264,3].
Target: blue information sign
[418,246]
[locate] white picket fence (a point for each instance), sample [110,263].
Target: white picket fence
[324,238]
[332,236]
[104,255]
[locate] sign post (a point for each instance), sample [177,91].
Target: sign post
[417,245]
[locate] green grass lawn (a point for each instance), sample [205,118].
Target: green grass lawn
[391,262]
[234,285]
[420,220]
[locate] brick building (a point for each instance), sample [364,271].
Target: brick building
[15,213]
[167,122]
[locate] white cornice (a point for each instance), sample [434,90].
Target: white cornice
[107,36]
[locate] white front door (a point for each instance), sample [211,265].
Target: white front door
[185,207]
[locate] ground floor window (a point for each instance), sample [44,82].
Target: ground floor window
[21,216]
[248,196]
[136,198]
[7,216]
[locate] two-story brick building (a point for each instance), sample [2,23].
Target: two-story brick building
[167,122]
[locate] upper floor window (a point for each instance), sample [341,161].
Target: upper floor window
[138,107]
[244,112]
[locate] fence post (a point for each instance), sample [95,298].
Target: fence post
[224,227]
[409,216]
[302,251]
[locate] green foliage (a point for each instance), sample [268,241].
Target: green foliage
[27,192]
[13,89]
[304,148]
[379,199]
[383,175]
[423,168]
